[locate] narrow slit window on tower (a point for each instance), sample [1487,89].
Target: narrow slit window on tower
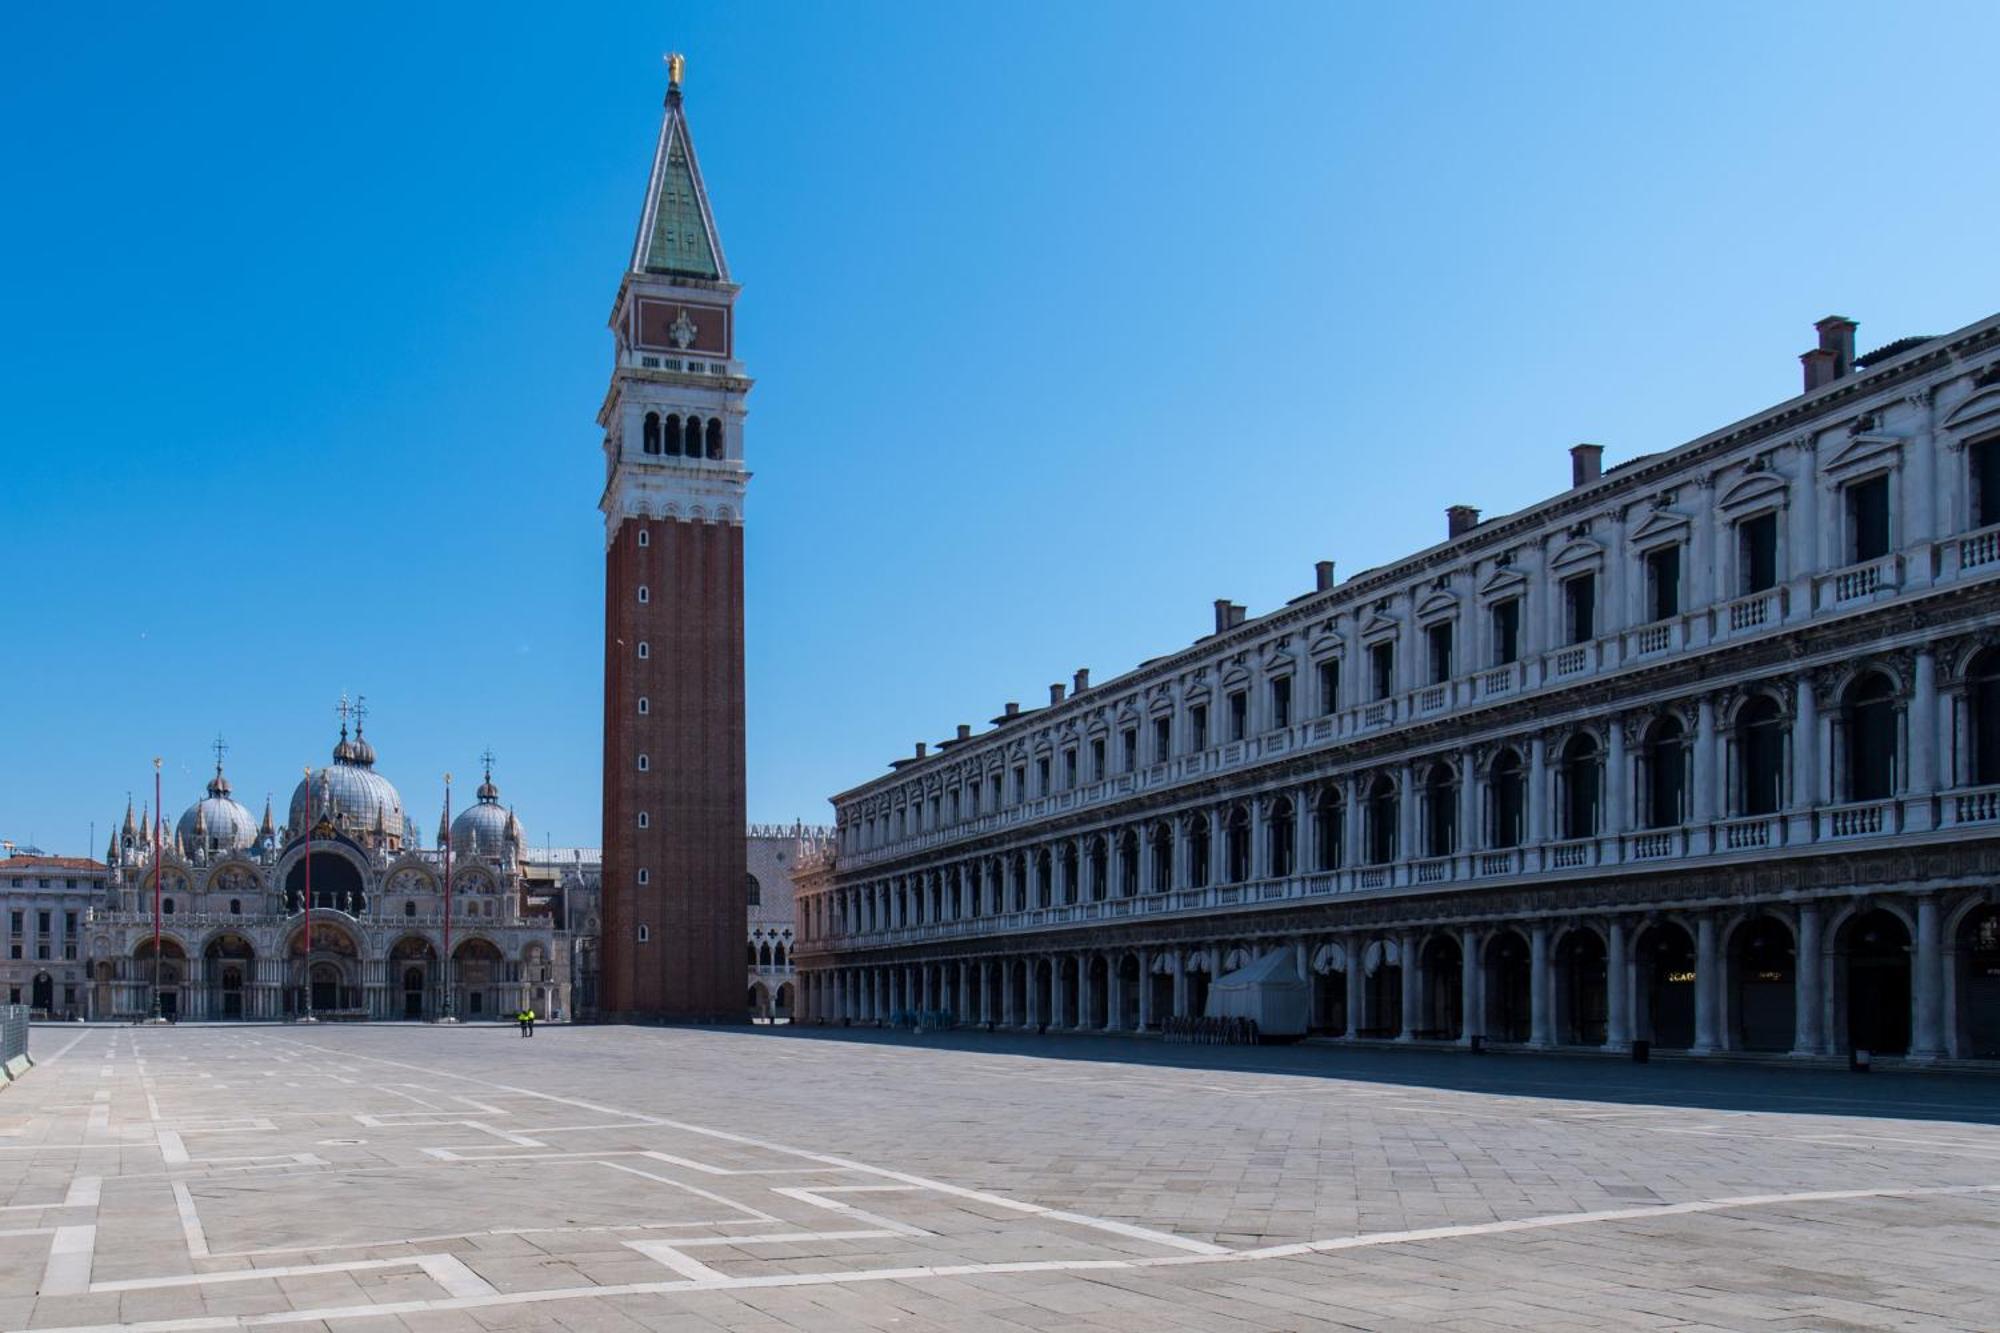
[645,876]
[645,537]
[644,934]
[645,650]
[645,594]
[645,763]
[645,820]
[645,705]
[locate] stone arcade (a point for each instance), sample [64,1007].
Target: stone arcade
[1704,751]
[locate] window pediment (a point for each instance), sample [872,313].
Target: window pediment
[1577,552]
[1379,625]
[1757,489]
[1978,412]
[1437,606]
[1504,583]
[1864,452]
[1661,525]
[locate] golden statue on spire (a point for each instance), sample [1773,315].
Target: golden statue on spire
[676,63]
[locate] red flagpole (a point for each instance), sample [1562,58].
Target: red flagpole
[306,997]
[159,853]
[446,968]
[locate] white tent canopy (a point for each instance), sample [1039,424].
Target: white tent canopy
[1268,990]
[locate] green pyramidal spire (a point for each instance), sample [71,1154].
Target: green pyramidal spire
[677,230]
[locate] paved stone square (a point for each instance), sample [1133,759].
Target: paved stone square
[389,1177]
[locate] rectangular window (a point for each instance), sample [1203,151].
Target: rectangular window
[1438,639]
[1020,783]
[934,812]
[1239,714]
[1042,774]
[69,923]
[951,805]
[1757,552]
[1663,583]
[1382,669]
[1329,686]
[1580,608]
[973,795]
[1984,459]
[1163,739]
[1281,702]
[1868,519]
[42,950]
[1097,759]
[1507,631]
[42,922]
[14,922]
[1128,746]
[1198,728]
[1069,767]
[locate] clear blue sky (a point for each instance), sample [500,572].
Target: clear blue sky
[1067,320]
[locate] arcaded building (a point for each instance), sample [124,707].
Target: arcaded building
[1703,751]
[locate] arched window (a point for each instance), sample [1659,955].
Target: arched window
[751,949]
[645,594]
[1329,828]
[1663,770]
[715,437]
[1580,774]
[645,934]
[1100,870]
[778,954]
[645,705]
[1198,851]
[694,437]
[764,954]
[1163,857]
[674,434]
[645,763]
[167,906]
[645,820]
[409,909]
[1236,845]
[652,433]
[1381,814]
[1128,864]
[1283,832]
[1044,879]
[753,892]
[645,537]
[1072,890]
[645,876]
[1868,712]
[1760,757]
[1507,800]
[645,650]
[1440,810]
[1982,701]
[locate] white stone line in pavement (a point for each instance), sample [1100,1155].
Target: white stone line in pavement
[918,1273]
[197,1240]
[981,1196]
[172,1151]
[68,1271]
[663,1252]
[451,1273]
[817,1200]
[696,1190]
[84,1192]
[439,1238]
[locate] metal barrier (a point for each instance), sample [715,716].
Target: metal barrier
[13,1031]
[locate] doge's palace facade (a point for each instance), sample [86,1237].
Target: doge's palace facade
[1703,751]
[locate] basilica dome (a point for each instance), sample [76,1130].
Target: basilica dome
[216,823]
[351,795]
[487,829]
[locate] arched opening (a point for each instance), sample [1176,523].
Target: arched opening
[1663,773]
[1763,965]
[715,437]
[759,1001]
[1579,775]
[673,434]
[1329,990]
[1128,864]
[1760,757]
[1163,857]
[750,949]
[1874,951]
[1440,810]
[1979,984]
[1044,879]
[694,437]
[228,961]
[1665,960]
[42,994]
[167,979]
[1281,837]
[778,954]
[1444,988]
[1509,987]
[336,884]
[1381,817]
[1197,985]
[1019,869]
[478,975]
[651,433]
[1098,854]
[331,971]
[1383,964]
[1582,992]
[782,1003]
[1198,851]
[414,962]
[1982,702]
[1071,888]
[1097,999]
[1868,717]
[1508,800]
[764,954]
[1329,828]
[1236,845]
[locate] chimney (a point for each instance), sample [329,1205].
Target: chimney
[1221,614]
[965,731]
[922,749]
[1322,575]
[1836,335]
[1459,520]
[1586,463]
[1013,709]
[1055,695]
[1819,364]
[1081,681]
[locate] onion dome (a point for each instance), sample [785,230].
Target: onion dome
[350,795]
[217,822]
[486,829]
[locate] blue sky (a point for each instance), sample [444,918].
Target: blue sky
[1067,320]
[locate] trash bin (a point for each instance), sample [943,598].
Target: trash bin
[1642,1052]
[1859,1060]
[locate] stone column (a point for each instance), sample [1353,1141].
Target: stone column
[1805,757]
[1082,996]
[1923,727]
[1469,838]
[1704,761]
[1354,841]
[1302,833]
[1615,817]
[1008,1018]
[1413,986]
[1617,988]
[1114,988]
[1356,994]
[1055,1010]
[1539,797]
[1472,1014]
[1407,804]
[1707,991]
[1807,1038]
[1179,960]
[1927,984]
[1145,990]
[1541,1019]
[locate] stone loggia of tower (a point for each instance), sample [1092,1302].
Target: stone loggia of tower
[675,907]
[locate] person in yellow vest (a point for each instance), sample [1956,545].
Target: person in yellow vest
[526,1018]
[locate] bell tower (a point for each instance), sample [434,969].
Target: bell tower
[675,908]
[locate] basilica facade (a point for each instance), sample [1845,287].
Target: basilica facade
[232,894]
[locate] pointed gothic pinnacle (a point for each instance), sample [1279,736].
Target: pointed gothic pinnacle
[676,66]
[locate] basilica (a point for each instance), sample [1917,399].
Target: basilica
[232,894]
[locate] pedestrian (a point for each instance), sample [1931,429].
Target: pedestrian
[528,1020]
[521,1017]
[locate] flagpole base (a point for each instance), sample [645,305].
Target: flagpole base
[305,1018]
[154,1020]
[445,1018]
